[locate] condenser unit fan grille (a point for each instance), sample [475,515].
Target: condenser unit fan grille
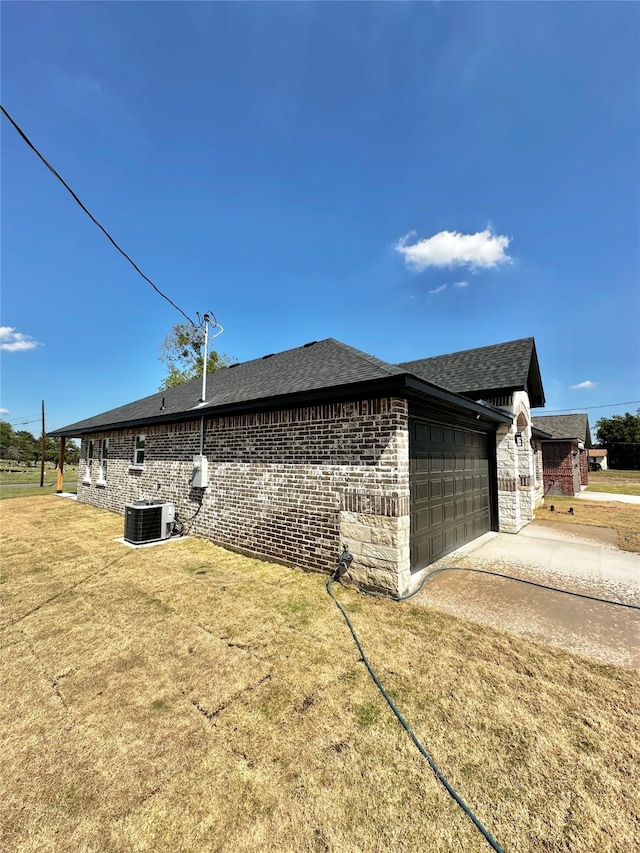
[145,522]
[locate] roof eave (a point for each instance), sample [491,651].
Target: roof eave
[540,433]
[482,410]
[341,392]
[405,384]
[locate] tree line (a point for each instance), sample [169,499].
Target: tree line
[23,447]
[620,436]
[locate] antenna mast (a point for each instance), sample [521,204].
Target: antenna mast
[205,347]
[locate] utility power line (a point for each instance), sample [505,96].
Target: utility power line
[92,218]
[21,419]
[22,423]
[606,406]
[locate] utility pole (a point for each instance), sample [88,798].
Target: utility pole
[43,446]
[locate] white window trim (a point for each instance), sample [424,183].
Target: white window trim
[88,462]
[102,459]
[136,450]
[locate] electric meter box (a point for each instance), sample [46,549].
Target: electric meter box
[200,476]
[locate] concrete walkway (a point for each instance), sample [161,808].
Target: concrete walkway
[605,496]
[584,560]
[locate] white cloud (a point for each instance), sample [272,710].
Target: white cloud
[4,411]
[439,289]
[461,284]
[452,249]
[586,384]
[13,341]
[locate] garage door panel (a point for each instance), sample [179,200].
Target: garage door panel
[422,490]
[449,479]
[435,489]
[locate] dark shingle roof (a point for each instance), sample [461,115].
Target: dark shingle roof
[485,371]
[565,426]
[313,367]
[310,371]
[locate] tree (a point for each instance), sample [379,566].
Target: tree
[620,435]
[71,453]
[22,446]
[182,355]
[6,438]
[28,445]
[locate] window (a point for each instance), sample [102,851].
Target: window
[104,453]
[138,453]
[89,460]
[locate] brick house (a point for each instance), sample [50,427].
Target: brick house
[324,444]
[565,456]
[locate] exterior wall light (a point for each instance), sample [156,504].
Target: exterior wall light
[519,439]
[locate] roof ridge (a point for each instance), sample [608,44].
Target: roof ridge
[472,349]
[391,369]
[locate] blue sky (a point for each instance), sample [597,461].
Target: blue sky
[410,178]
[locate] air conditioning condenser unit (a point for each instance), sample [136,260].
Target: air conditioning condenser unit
[148,521]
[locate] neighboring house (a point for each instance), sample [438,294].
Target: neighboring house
[564,454]
[597,459]
[323,444]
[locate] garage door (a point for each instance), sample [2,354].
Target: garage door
[450,490]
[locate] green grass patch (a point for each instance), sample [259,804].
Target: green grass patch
[615,482]
[613,488]
[367,715]
[8,492]
[13,474]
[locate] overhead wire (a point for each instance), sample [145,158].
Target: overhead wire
[582,408]
[21,419]
[23,423]
[92,217]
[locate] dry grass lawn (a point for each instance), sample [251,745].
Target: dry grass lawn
[183,698]
[624,518]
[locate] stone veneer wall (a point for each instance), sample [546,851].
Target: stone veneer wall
[518,493]
[290,485]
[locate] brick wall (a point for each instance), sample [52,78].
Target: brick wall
[557,461]
[584,468]
[278,481]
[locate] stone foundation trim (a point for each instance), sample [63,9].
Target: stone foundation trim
[380,548]
[391,506]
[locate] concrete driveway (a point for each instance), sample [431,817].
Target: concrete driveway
[584,560]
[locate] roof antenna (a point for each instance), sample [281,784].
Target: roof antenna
[206,319]
[205,347]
